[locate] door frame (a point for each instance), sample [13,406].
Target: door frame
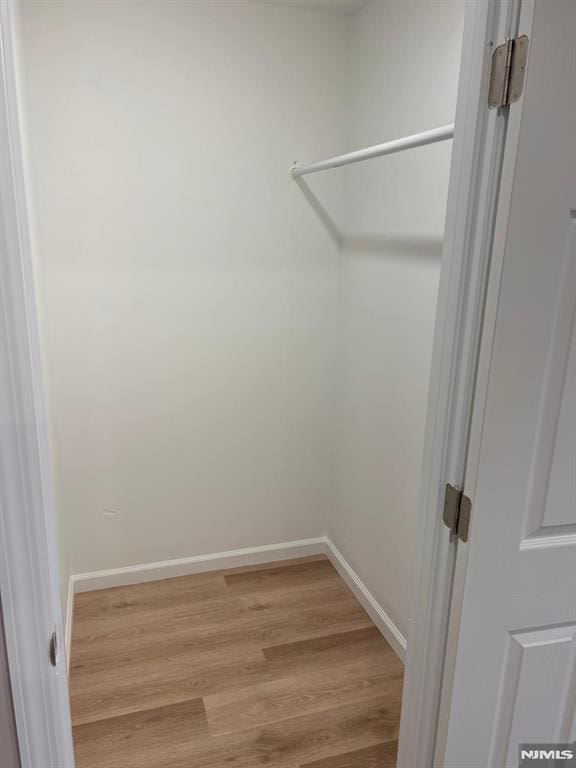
[28,552]
[27,515]
[525,13]
[455,397]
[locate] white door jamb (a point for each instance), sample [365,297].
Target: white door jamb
[472,197]
[28,560]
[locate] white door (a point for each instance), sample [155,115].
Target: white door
[515,672]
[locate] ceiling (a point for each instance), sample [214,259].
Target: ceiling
[334,6]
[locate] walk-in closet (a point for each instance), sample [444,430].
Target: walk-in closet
[237,212]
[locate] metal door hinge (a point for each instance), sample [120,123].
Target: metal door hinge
[54,649]
[507,74]
[457,512]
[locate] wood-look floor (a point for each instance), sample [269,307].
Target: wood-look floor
[272,665]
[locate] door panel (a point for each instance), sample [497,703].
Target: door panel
[554,461]
[515,666]
[535,668]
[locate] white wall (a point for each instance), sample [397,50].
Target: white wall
[190,292]
[405,60]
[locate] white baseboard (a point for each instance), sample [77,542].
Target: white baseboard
[378,615]
[69,620]
[136,574]
[186,566]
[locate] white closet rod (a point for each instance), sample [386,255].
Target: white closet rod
[398,145]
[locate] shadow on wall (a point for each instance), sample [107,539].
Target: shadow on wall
[326,220]
[394,245]
[375,244]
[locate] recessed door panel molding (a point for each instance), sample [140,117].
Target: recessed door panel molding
[552,498]
[537,690]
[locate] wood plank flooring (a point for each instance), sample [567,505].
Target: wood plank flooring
[272,665]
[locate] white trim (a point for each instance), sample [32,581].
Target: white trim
[517,22]
[500,138]
[270,553]
[373,608]
[185,566]
[28,554]
[69,621]
[473,192]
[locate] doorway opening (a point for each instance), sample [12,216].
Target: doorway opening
[236,362]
